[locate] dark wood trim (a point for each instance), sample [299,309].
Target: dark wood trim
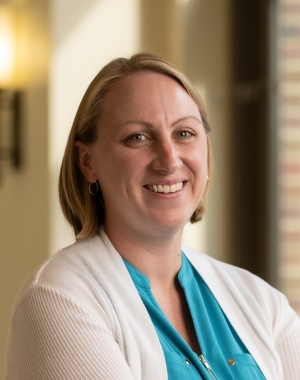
[250,133]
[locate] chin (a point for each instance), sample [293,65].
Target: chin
[170,224]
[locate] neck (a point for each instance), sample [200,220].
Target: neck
[157,257]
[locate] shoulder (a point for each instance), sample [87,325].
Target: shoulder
[86,279]
[237,285]
[68,264]
[78,273]
[207,264]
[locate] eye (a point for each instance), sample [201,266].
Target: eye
[135,138]
[184,134]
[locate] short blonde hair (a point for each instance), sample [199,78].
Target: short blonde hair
[86,212]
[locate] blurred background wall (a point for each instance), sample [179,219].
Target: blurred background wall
[243,58]
[24,193]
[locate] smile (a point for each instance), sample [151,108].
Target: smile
[166,189]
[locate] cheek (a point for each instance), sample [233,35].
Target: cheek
[199,168]
[204,156]
[114,168]
[199,160]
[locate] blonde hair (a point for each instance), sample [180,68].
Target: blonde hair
[86,212]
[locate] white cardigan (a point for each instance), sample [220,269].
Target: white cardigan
[80,317]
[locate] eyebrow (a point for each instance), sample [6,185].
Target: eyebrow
[185,118]
[147,124]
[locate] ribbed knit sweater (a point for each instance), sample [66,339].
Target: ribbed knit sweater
[79,316]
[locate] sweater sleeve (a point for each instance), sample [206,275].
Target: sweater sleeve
[287,339]
[54,337]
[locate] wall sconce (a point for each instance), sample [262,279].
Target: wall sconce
[9,95]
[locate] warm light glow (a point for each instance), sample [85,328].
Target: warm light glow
[7,47]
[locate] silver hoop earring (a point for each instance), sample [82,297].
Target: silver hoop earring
[95,190]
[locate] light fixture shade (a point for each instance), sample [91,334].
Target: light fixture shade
[7,47]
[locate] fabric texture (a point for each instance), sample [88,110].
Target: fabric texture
[80,317]
[219,343]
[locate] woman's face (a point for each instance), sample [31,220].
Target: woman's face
[150,156]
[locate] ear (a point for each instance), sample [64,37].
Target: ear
[84,161]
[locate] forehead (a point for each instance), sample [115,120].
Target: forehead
[148,91]
[144,80]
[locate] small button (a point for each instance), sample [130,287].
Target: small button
[187,362]
[231,362]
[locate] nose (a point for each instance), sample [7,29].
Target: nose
[166,159]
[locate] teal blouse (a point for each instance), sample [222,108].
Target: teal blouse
[224,356]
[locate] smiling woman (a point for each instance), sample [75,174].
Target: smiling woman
[127,300]
[105,99]
[155,140]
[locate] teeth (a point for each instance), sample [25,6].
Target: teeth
[166,189]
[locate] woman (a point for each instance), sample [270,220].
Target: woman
[127,301]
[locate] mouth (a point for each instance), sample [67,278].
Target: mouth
[165,189]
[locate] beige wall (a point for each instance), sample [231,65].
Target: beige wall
[24,236]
